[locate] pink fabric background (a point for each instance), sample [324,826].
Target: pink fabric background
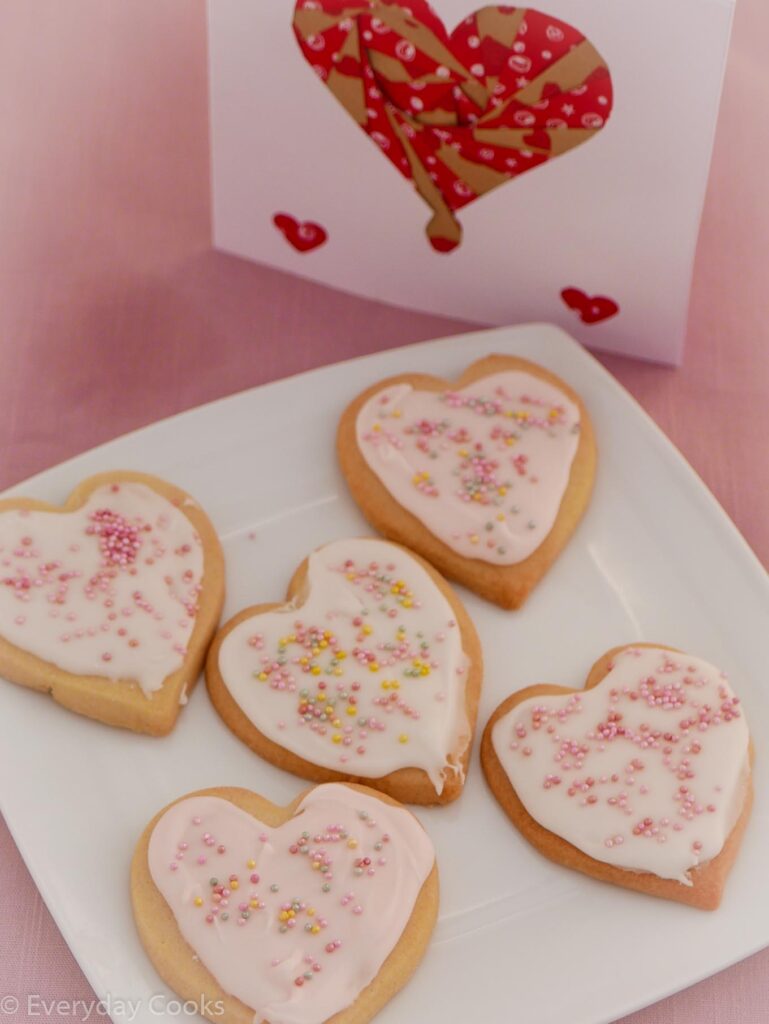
[114,312]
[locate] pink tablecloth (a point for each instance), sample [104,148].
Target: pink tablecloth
[113,312]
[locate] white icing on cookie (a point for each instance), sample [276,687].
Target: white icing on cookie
[646,771]
[364,672]
[484,468]
[110,589]
[294,921]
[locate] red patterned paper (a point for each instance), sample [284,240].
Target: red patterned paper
[457,113]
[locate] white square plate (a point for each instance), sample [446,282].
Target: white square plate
[519,938]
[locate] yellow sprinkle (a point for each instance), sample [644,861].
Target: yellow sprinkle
[234,884]
[403,738]
[263,676]
[337,671]
[254,904]
[351,710]
[385,685]
[316,865]
[377,427]
[311,911]
[198,901]
[474,538]
[250,863]
[396,413]
[315,670]
[336,738]
[407,602]
[341,655]
[373,666]
[283,915]
[323,644]
[425,670]
[502,491]
[337,724]
[352,844]
[368,630]
[500,517]
[315,929]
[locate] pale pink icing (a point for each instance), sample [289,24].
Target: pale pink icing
[646,771]
[346,865]
[484,468]
[110,589]
[372,639]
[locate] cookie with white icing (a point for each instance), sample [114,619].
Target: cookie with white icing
[109,601]
[485,477]
[313,912]
[370,672]
[642,779]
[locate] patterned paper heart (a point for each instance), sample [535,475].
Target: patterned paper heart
[462,113]
[641,779]
[591,309]
[320,910]
[371,672]
[109,602]
[304,235]
[486,477]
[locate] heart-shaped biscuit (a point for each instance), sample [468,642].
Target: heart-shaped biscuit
[458,113]
[641,779]
[371,672]
[486,477]
[109,601]
[301,914]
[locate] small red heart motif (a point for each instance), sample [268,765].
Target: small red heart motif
[457,113]
[592,309]
[302,234]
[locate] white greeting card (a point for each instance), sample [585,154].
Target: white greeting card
[497,164]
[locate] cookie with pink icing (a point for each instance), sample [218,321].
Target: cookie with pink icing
[486,477]
[109,601]
[287,915]
[642,779]
[371,671]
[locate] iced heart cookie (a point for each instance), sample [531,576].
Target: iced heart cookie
[486,478]
[641,779]
[291,915]
[109,601]
[370,672]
